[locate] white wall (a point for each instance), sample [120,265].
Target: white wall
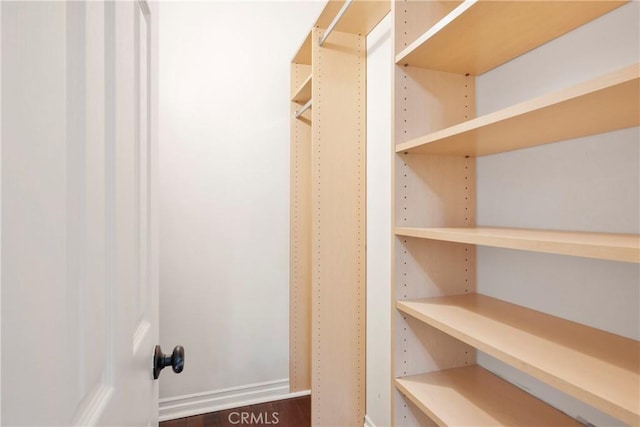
[379,67]
[589,183]
[224,178]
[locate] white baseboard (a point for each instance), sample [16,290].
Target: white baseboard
[172,408]
[368,422]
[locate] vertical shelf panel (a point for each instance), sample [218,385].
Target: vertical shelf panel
[338,230]
[434,191]
[300,244]
[328,239]
[414,18]
[428,101]
[429,190]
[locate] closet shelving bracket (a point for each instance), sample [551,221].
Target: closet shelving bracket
[304,108]
[335,21]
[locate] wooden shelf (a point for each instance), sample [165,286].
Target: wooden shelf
[472,396]
[303,93]
[615,247]
[597,367]
[360,18]
[303,54]
[603,104]
[480,35]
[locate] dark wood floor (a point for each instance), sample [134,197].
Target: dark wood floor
[284,413]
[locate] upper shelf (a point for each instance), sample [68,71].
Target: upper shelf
[595,366]
[459,397]
[603,104]
[615,247]
[303,55]
[303,94]
[360,18]
[480,35]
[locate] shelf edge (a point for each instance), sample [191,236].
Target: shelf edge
[528,241]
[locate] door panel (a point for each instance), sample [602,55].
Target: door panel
[142,173]
[86,206]
[79,281]
[94,296]
[35,297]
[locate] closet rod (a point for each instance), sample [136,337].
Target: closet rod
[345,6]
[304,108]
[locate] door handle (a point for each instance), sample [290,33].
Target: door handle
[175,360]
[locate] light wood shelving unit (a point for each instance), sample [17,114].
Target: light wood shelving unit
[328,141]
[439,321]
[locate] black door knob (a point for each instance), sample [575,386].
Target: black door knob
[175,360]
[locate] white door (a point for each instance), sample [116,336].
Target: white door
[79,222]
